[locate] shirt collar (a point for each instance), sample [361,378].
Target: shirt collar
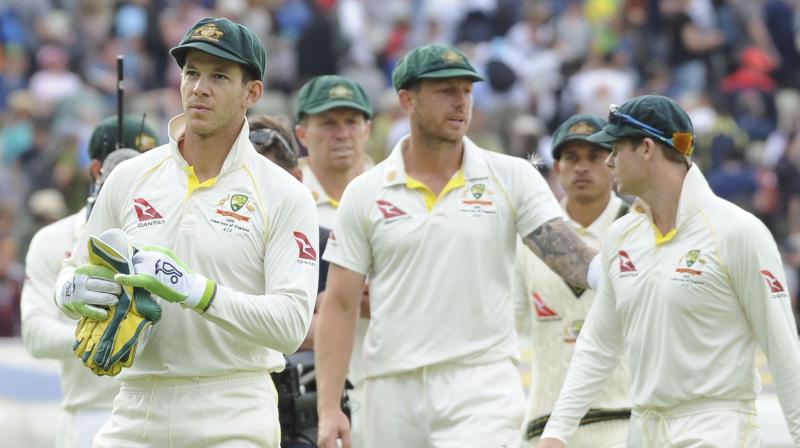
[695,193]
[598,227]
[241,149]
[473,163]
[312,183]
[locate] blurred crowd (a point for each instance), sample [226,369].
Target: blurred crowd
[733,64]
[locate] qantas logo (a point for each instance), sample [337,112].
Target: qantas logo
[307,251]
[625,263]
[773,283]
[543,312]
[145,211]
[389,210]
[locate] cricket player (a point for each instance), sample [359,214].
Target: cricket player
[690,284]
[435,226]
[552,311]
[227,242]
[333,123]
[48,333]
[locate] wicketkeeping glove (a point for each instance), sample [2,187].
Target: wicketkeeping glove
[89,292]
[160,272]
[106,346]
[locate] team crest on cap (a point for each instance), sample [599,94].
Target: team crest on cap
[340,92]
[209,31]
[451,57]
[144,141]
[582,127]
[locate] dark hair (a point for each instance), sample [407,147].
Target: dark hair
[274,140]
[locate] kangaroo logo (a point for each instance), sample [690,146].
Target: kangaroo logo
[169,270]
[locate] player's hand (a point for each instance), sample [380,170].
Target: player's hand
[88,293]
[333,425]
[548,442]
[160,272]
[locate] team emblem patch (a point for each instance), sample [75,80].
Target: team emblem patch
[209,31]
[691,257]
[572,330]
[238,201]
[582,127]
[451,57]
[340,92]
[477,190]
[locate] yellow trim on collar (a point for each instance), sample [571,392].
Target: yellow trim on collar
[661,239]
[457,181]
[334,203]
[194,181]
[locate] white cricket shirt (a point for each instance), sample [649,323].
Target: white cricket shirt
[252,229]
[46,331]
[440,268]
[687,309]
[555,313]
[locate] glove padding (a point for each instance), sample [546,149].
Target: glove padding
[89,292]
[160,272]
[106,346]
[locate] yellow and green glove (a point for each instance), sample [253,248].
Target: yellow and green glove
[107,345]
[160,272]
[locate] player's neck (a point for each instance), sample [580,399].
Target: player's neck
[333,182]
[663,196]
[426,160]
[207,154]
[586,213]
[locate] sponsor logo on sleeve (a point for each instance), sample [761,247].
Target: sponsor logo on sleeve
[626,266]
[543,312]
[306,250]
[775,287]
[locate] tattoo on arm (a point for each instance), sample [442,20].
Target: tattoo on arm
[562,250]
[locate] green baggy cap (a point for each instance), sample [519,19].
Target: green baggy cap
[577,127]
[432,61]
[328,92]
[224,39]
[653,116]
[135,135]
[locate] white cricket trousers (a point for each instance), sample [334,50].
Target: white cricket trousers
[236,410]
[701,423]
[444,406]
[79,427]
[607,434]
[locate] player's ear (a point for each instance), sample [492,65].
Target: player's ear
[94,168]
[255,89]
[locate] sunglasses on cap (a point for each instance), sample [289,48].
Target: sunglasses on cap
[264,138]
[680,141]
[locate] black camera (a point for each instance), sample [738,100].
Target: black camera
[297,398]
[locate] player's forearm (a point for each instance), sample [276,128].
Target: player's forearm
[277,321]
[333,347]
[562,250]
